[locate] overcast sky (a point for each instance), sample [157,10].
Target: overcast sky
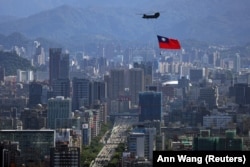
[27,7]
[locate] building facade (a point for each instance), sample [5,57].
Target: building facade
[148,71]
[150,104]
[141,142]
[205,142]
[210,95]
[35,94]
[117,83]
[58,65]
[196,74]
[58,107]
[136,84]
[64,156]
[34,144]
[61,87]
[81,93]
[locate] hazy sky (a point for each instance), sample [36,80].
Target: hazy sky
[217,20]
[27,7]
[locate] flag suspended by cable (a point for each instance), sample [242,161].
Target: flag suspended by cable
[168,43]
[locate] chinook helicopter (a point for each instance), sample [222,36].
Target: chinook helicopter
[151,16]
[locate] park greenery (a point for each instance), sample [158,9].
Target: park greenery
[89,153]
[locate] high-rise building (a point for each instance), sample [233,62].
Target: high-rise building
[64,156]
[45,94]
[32,119]
[169,91]
[217,121]
[54,63]
[92,121]
[34,144]
[196,74]
[6,122]
[148,71]
[58,65]
[87,126]
[103,112]
[102,62]
[86,134]
[98,91]
[39,57]
[150,104]
[2,74]
[61,87]
[210,96]
[136,84]
[64,66]
[237,63]
[117,83]
[58,107]
[35,94]
[70,136]
[25,76]
[96,123]
[151,88]
[136,142]
[67,123]
[185,70]
[9,153]
[205,142]
[121,105]
[184,84]
[141,142]
[241,92]
[211,59]
[107,81]
[81,93]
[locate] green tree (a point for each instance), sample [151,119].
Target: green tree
[12,62]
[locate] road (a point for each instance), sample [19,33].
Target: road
[118,135]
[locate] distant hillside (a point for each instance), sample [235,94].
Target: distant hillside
[79,23]
[18,39]
[12,62]
[19,8]
[8,18]
[13,39]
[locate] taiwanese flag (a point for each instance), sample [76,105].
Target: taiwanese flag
[168,43]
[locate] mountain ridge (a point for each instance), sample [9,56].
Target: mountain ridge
[74,26]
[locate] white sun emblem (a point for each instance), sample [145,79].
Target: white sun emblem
[163,39]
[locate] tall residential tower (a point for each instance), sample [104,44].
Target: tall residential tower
[58,65]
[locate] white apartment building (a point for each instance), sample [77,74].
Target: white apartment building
[219,121]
